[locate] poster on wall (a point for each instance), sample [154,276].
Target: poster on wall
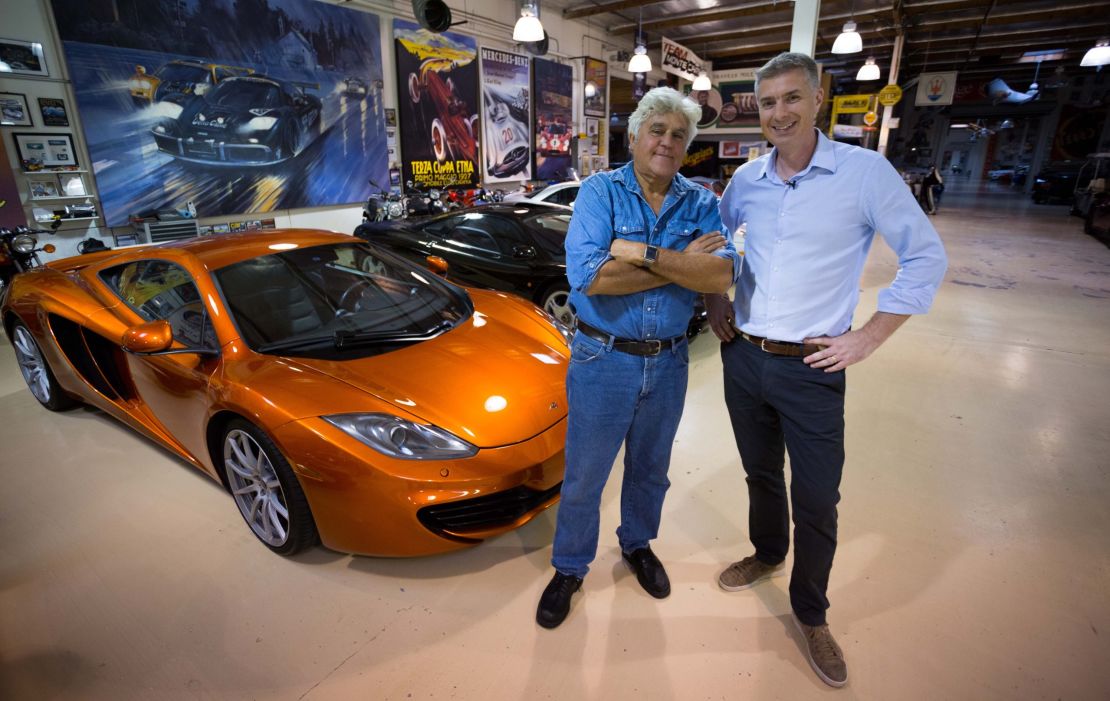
[701,160]
[731,103]
[246,106]
[596,80]
[554,84]
[1077,132]
[507,105]
[437,78]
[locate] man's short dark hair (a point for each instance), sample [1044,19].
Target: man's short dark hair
[786,62]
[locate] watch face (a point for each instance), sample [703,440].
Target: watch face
[650,254]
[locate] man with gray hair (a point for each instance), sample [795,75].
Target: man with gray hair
[643,242]
[811,208]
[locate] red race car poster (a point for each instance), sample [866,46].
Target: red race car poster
[437,78]
[554,125]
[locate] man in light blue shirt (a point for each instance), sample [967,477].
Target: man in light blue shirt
[642,243]
[811,209]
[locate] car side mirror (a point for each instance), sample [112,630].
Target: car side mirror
[524,252]
[437,265]
[156,338]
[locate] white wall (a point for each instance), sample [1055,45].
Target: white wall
[31,20]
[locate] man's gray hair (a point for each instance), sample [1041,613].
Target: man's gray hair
[666,101]
[786,62]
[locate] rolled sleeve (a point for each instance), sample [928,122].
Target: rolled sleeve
[730,221]
[590,235]
[894,213]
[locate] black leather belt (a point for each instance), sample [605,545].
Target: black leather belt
[794,350]
[628,345]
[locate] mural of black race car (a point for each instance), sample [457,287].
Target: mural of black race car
[178,81]
[246,120]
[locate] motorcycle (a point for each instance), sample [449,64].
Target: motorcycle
[932,185]
[423,201]
[19,248]
[383,205]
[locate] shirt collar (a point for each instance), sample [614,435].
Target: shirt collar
[625,175]
[824,157]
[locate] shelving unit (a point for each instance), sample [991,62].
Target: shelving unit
[46,188]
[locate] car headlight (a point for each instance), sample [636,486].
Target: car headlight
[24,243]
[261,124]
[402,439]
[396,209]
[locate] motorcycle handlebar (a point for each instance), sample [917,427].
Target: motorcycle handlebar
[24,230]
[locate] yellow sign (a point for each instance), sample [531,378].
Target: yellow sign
[870,118]
[890,95]
[852,104]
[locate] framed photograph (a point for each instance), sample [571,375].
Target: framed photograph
[591,127]
[45,151]
[14,111]
[53,112]
[43,188]
[22,57]
[72,185]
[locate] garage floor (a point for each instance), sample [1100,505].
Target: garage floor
[974,559]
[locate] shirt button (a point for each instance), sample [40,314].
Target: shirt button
[775,269]
[782,214]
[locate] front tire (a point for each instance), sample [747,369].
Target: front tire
[36,372]
[266,491]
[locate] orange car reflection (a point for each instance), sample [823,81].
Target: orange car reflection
[340,394]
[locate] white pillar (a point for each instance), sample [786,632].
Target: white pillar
[892,79]
[803,35]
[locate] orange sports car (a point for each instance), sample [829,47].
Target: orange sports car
[340,394]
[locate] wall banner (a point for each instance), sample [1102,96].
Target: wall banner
[507,105]
[236,106]
[935,89]
[437,78]
[554,85]
[597,75]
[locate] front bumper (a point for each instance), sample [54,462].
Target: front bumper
[214,151]
[367,503]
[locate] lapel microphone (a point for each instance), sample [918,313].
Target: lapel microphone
[792,183]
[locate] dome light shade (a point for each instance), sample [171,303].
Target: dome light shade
[640,62]
[1097,55]
[849,41]
[528,27]
[702,82]
[868,71]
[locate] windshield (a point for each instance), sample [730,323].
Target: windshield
[172,72]
[246,94]
[323,301]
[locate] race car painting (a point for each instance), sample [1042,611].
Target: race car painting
[554,139]
[454,127]
[178,82]
[355,87]
[248,120]
[506,133]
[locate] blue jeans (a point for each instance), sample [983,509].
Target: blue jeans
[617,398]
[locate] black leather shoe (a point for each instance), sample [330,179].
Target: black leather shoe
[649,572]
[555,602]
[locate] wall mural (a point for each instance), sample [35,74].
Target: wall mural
[554,83]
[236,105]
[507,105]
[437,78]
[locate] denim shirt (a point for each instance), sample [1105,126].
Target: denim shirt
[612,205]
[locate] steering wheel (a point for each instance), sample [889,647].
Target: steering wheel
[349,295]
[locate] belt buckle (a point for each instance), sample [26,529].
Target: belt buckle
[655,345]
[761,347]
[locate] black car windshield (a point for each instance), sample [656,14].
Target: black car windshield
[550,232]
[246,94]
[172,72]
[337,300]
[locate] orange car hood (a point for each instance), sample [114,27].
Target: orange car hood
[491,385]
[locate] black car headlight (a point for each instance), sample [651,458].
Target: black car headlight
[402,439]
[24,243]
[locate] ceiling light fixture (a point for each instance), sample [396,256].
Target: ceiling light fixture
[868,71]
[641,62]
[849,41]
[528,28]
[1098,55]
[702,82]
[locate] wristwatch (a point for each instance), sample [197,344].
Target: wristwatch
[651,254]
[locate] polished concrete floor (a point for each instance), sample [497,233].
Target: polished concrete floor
[974,558]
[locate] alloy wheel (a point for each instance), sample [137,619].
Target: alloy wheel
[557,304]
[31,364]
[256,488]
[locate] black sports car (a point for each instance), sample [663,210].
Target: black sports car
[246,120]
[515,247]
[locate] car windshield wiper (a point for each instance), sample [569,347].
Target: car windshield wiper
[298,343]
[348,339]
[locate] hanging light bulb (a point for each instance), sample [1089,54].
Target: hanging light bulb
[591,88]
[702,82]
[528,28]
[640,62]
[1098,55]
[868,71]
[849,41]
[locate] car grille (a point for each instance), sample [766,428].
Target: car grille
[484,512]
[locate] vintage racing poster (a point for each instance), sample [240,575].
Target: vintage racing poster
[554,83]
[507,106]
[437,78]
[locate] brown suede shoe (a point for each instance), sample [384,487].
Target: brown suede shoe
[747,573]
[824,654]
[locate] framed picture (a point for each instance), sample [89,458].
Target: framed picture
[14,111]
[72,185]
[22,57]
[43,188]
[53,112]
[591,127]
[42,151]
